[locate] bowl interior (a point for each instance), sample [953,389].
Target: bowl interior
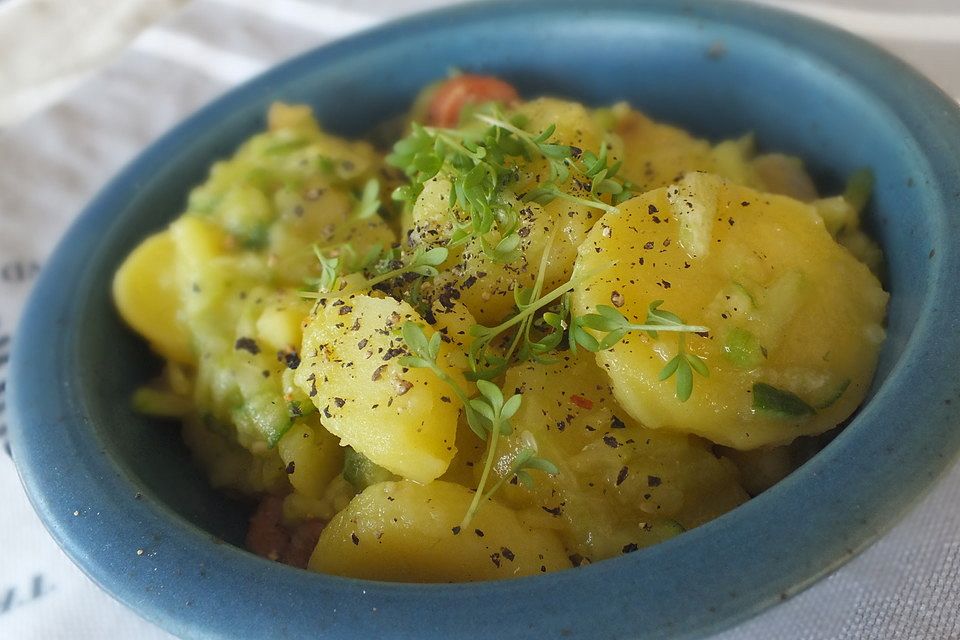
[718,69]
[716,81]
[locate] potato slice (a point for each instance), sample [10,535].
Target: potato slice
[620,486]
[146,292]
[404,420]
[312,456]
[657,154]
[406,532]
[794,318]
[486,288]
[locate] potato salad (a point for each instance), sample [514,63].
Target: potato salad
[518,336]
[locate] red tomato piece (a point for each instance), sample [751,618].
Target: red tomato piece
[451,96]
[580,401]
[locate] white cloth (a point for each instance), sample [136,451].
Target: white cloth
[907,585]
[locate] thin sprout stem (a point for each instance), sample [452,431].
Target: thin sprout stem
[460,393]
[679,328]
[445,138]
[503,124]
[488,465]
[499,483]
[523,331]
[595,204]
[542,302]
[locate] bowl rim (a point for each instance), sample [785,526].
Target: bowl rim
[101,541]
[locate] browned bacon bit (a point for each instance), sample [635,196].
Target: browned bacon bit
[266,536]
[580,401]
[302,543]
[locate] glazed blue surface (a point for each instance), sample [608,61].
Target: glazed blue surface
[720,69]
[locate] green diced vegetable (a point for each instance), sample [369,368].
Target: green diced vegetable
[743,348]
[769,399]
[360,472]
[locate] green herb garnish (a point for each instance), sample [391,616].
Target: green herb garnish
[368,202]
[478,164]
[610,321]
[488,414]
[779,402]
[423,262]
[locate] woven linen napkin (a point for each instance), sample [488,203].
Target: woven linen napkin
[906,585]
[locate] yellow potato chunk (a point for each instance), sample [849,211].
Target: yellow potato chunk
[405,532]
[229,465]
[794,319]
[404,420]
[312,456]
[657,154]
[146,292]
[620,487]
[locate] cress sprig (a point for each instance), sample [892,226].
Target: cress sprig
[599,177]
[344,261]
[609,320]
[368,201]
[478,165]
[488,414]
[485,364]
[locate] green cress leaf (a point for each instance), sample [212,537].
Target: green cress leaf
[432,257]
[492,393]
[369,202]
[413,362]
[698,364]
[779,402]
[684,375]
[483,408]
[511,406]
[329,271]
[433,349]
[525,478]
[658,316]
[671,367]
[416,340]
[583,339]
[615,324]
[542,464]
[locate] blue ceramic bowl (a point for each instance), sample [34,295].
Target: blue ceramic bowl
[720,69]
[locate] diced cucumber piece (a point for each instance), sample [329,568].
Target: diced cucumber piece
[837,214]
[247,214]
[693,201]
[270,416]
[360,472]
[743,348]
[779,402]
